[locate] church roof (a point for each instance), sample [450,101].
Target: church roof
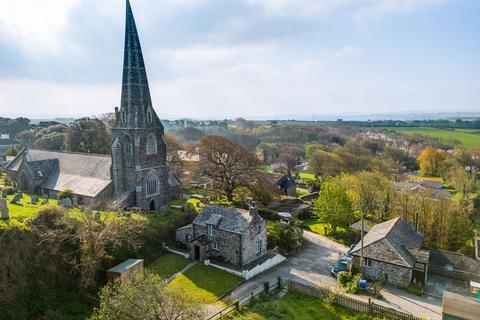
[83,173]
[136,101]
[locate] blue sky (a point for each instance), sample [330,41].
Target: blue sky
[250,58]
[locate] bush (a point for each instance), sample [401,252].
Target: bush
[66,194]
[9,190]
[268,214]
[344,278]
[377,290]
[415,289]
[266,287]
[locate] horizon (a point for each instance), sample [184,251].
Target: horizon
[269,59]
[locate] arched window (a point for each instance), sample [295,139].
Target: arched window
[124,117]
[151,144]
[127,142]
[152,184]
[149,116]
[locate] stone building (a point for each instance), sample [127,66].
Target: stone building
[234,236]
[136,173]
[392,253]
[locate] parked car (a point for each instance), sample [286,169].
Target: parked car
[347,256]
[339,266]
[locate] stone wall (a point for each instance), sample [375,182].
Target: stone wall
[229,244]
[250,238]
[181,234]
[396,275]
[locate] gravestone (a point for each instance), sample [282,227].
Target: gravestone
[16,198]
[4,193]
[4,208]
[75,202]
[97,216]
[45,201]
[34,200]
[67,203]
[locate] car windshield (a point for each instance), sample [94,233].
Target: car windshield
[341,266]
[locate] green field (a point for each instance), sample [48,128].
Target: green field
[469,138]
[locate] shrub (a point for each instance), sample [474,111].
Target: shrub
[353,286]
[9,190]
[268,214]
[344,278]
[377,290]
[415,289]
[66,194]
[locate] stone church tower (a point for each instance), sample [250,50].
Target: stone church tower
[139,170]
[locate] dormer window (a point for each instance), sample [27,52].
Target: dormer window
[210,230]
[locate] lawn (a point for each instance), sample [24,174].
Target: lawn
[23,209]
[206,283]
[168,264]
[468,139]
[307,176]
[295,306]
[342,235]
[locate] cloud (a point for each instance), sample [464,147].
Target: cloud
[35,24]
[300,7]
[377,9]
[350,51]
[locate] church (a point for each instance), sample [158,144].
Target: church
[136,174]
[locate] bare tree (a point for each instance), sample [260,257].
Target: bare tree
[230,164]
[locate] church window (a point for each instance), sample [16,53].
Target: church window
[149,116]
[128,145]
[124,117]
[152,184]
[151,144]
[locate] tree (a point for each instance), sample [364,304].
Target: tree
[53,141]
[325,164]
[88,135]
[11,152]
[430,162]
[173,158]
[287,237]
[462,181]
[146,297]
[229,164]
[333,206]
[291,155]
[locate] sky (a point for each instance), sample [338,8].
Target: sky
[248,58]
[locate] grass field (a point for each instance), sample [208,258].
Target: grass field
[168,264]
[294,306]
[470,139]
[206,283]
[342,235]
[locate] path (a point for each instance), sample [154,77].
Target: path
[312,266]
[188,266]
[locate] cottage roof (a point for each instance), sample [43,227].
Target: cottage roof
[230,219]
[83,173]
[399,235]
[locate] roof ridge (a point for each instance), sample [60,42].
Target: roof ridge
[71,152]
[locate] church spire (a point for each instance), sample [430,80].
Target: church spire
[136,110]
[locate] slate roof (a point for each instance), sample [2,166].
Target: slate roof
[85,174]
[397,235]
[442,258]
[231,219]
[8,142]
[125,265]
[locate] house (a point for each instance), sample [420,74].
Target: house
[392,254]
[237,237]
[282,183]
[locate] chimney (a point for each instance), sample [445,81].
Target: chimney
[252,210]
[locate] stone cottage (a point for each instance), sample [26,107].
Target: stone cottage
[392,254]
[235,236]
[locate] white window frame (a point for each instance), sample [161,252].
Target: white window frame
[215,246]
[210,229]
[259,246]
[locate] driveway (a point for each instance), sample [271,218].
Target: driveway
[312,266]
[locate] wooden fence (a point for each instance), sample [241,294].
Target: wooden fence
[324,294]
[350,303]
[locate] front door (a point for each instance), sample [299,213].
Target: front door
[152,205]
[196,253]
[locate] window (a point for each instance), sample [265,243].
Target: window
[210,230]
[259,246]
[215,246]
[259,228]
[149,116]
[124,117]
[151,144]
[368,262]
[127,142]
[188,237]
[152,184]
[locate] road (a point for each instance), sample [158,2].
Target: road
[312,266]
